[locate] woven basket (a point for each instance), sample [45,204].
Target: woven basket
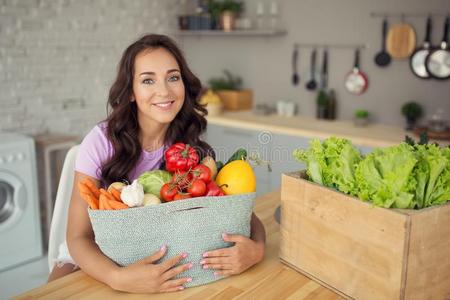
[192,226]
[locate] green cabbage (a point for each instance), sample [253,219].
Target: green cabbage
[152,181]
[331,163]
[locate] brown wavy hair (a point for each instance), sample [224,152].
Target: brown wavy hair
[122,121]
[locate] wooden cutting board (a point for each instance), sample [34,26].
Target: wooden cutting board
[401,41]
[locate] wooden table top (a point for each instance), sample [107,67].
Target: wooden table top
[270,279]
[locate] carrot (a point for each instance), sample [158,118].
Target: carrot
[84,189]
[101,203]
[92,186]
[115,193]
[104,202]
[92,201]
[117,205]
[107,195]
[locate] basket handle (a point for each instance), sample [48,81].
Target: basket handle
[185,209]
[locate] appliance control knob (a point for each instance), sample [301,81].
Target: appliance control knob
[10,158]
[2,160]
[20,156]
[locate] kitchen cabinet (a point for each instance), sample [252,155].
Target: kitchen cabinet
[276,148]
[281,156]
[220,33]
[226,140]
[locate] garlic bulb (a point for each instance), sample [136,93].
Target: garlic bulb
[133,195]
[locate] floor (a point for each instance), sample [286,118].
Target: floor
[23,278]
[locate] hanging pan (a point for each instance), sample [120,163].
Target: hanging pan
[418,58]
[356,81]
[438,61]
[382,59]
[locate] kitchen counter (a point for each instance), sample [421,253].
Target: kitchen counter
[270,279]
[372,135]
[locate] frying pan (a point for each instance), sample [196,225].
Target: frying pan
[382,59]
[438,61]
[418,58]
[356,81]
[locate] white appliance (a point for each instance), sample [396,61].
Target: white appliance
[20,228]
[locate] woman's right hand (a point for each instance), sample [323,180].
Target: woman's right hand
[144,276]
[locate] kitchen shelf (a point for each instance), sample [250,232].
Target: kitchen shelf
[249,32]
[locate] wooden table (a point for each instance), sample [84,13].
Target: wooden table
[270,279]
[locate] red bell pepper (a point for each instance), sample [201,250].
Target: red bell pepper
[212,189]
[181,157]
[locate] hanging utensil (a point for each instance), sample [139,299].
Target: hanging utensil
[401,40]
[438,61]
[356,81]
[295,76]
[418,58]
[382,59]
[312,84]
[324,79]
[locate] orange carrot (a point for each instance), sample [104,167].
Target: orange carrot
[107,194]
[84,189]
[115,193]
[104,202]
[92,201]
[101,203]
[92,186]
[117,205]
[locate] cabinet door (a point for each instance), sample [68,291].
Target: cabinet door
[226,140]
[281,156]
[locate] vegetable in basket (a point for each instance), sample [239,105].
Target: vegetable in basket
[152,181]
[180,157]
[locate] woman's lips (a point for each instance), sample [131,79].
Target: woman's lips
[164,105]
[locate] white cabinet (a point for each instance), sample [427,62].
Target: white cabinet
[226,140]
[281,156]
[274,147]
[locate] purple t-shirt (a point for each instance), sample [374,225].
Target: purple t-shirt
[96,149]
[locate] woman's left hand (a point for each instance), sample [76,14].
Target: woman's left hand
[236,259]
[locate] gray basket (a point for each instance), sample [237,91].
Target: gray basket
[193,226]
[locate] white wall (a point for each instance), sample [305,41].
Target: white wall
[58,58]
[265,62]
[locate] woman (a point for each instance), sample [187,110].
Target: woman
[154,103]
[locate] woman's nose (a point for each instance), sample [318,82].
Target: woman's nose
[162,89]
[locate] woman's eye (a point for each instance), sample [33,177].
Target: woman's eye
[174,78]
[148,81]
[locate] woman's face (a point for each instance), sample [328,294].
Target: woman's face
[157,86]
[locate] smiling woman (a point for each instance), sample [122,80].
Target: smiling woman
[153,103]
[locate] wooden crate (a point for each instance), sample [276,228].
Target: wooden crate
[362,251]
[236,100]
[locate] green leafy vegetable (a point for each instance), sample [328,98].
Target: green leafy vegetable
[331,163]
[152,181]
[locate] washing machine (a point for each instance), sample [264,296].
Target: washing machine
[20,228]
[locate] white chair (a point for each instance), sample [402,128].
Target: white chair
[58,225]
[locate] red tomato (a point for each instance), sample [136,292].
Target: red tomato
[181,179]
[197,188]
[202,172]
[168,192]
[181,196]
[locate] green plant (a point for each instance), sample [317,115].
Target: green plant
[216,7]
[412,110]
[228,82]
[361,114]
[322,98]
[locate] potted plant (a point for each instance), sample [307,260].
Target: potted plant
[225,12]
[412,111]
[229,89]
[361,117]
[322,104]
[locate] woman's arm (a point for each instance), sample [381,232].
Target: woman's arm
[141,277]
[81,240]
[245,253]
